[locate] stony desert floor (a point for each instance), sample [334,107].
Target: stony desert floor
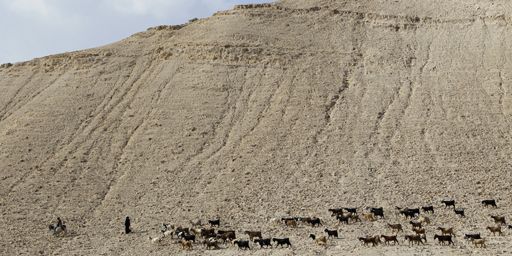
[262,112]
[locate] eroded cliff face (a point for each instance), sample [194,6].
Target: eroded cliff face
[260,112]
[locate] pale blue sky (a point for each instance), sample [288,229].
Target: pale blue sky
[35,28]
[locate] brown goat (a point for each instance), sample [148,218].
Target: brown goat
[211,244]
[291,223]
[396,227]
[479,242]
[499,219]
[368,216]
[253,234]
[321,240]
[415,239]
[374,240]
[389,239]
[186,245]
[446,231]
[495,230]
[419,231]
[415,224]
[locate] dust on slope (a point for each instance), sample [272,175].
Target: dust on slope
[256,113]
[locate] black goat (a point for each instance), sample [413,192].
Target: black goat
[263,242]
[448,203]
[282,242]
[429,208]
[242,244]
[408,213]
[377,211]
[187,237]
[443,238]
[214,222]
[489,202]
[181,230]
[472,236]
[351,210]
[331,233]
[343,218]
[312,221]
[459,212]
[336,211]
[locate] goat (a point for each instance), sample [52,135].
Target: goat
[472,236]
[207,233]
[413,211]
[331,233]
[156,240]
[313,221]
[343,218]
[489,202]
[424,220]
[415,239]
[214,223]
[446,231]
[429,209]
[168,233]
[282,242]
[211,244]
[448,203]
[495,230]
[164,227]
[353,216]
[291,223]
[253,234]
[388,239]
[396,227]
[181,230]
[57,230]
[407,213]
[186,245]
[443,238]
[369,216]
[499,219]
[263,242]
[480,242]
[377,211]
[374,240]
[351,210]
[460,212]
[415,224]
[419,231]
[336,211]
[242,244]
[226,235]
[196,231]
[322,240]
[187,237]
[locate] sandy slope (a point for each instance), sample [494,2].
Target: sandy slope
[259,113]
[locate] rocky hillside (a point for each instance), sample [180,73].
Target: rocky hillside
[261,112]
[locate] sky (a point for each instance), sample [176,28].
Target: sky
[36,28]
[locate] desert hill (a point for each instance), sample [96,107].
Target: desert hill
[261,112]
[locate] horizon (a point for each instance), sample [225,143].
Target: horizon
[38,28]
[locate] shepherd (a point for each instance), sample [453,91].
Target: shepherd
[127,224]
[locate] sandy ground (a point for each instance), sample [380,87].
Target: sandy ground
[261,112]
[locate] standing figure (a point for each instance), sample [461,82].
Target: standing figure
[127,224]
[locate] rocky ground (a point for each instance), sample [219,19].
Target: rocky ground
[261,112]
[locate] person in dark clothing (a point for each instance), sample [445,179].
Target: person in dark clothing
[127,224]
[59,222]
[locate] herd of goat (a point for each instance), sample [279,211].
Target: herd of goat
[210,236]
